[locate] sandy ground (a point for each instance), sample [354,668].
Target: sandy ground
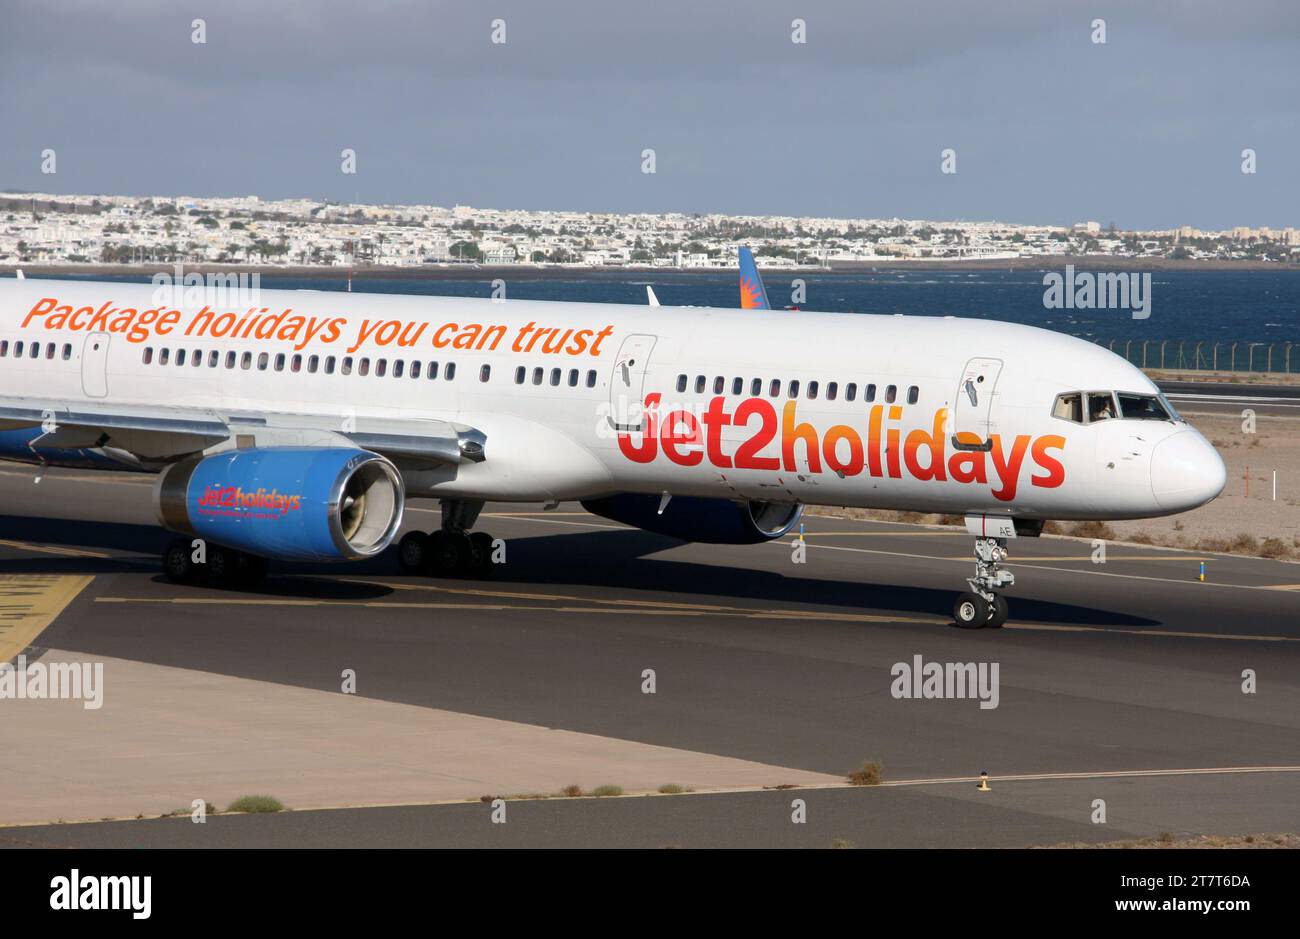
[166,736]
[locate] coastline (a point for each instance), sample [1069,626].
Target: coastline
[479,271]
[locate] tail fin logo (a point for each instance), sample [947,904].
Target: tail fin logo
[753,295]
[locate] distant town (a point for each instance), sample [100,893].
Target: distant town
[45,229]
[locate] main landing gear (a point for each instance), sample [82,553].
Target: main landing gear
[185,563]
[984,607]
[452,550]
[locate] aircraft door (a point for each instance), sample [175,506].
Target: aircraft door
[972,409]
[94,365]
[627,384]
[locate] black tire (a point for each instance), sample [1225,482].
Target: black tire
[480,555]
[176,564]
[222,565]
[998,615]
[413,552]
[971,611]
[448,553]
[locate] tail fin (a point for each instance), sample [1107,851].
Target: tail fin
[753,295]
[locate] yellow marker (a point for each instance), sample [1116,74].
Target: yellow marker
[1202,572]
[984,782]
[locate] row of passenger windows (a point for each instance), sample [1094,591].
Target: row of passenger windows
[811,389]
[539,376]
[326,364]
[33,350]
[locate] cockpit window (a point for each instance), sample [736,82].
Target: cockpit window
[1069,407]
[1136,407]
[1101,406]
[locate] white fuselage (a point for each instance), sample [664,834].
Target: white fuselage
[607,415]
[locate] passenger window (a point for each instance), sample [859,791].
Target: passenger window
[67,351]
[279,361]
[18,349]
[415,369]
[230,359]
[681,384]
[774,389]
[538,374]
[484,373]
[1069,407]
[573,378]
[197,358]
[180,356]
[450,372]
[262,359]
[737,386]
[755,387]
[295,364]
[891,394]
[329,365]
[812,390]
[49,350]
[381,368]
[345,367]
[832,390]
[520,373]
[850,391]
[363,366]
[555,376]
[1101,406]
[313,362]
[162,355]
[35,350]
[433,371]
[214,357]
[147,358]
[793,388]
[591,378]
[913,394]
[719,384]
[869,394]
[4,347]
[699,384]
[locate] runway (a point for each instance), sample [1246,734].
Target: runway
[1131,667]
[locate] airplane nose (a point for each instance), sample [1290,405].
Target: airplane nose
[1186,471]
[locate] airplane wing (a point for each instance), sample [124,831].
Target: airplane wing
[650,295]
[148,437]
[753,295]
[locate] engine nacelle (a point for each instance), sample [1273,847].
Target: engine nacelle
[693,518]
[288,503]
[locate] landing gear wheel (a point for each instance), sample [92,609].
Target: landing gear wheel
[448,553]
[971,611]
[480,554]
[222,565]
[176,564]
[998,615]
[413,552]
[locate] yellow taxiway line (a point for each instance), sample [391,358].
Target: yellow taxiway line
[29,603]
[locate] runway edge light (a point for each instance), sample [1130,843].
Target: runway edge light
[984,781]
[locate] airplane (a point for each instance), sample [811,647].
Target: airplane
[296,426]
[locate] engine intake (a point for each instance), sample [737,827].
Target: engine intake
[694,518]
[289,503]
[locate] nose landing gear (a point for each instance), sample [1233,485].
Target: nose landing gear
[984,607]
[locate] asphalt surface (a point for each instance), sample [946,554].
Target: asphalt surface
[1128,667]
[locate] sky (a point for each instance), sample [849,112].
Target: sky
[1048,126]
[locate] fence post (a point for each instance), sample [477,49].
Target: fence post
[1216,357]
[1232,363]
[1163,343]
[1144,353]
